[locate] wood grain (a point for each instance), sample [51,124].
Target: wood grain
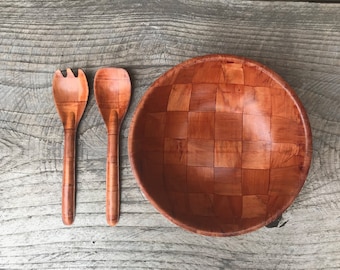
[299,41]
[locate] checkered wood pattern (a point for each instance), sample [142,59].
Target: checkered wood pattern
[220,145]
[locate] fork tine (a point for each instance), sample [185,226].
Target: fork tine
[69,73]
[58,74]
[55,81]
[81,74]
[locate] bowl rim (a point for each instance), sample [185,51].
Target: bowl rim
[284,85]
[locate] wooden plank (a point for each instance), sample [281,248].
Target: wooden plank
[300,41]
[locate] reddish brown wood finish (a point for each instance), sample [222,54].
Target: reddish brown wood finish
[220,145]
[112,89]
[70,97]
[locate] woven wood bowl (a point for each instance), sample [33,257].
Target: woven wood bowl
[220,145]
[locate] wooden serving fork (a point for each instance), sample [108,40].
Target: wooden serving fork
[70,97]
[112,89]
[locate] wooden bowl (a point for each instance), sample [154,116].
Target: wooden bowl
[220,145]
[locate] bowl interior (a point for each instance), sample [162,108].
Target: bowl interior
[220,145]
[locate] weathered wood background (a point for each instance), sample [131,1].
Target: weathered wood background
[299,40]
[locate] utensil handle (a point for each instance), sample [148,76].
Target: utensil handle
[112,173]
[68,186]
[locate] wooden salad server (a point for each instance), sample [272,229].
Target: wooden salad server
[112,89]
[70,97]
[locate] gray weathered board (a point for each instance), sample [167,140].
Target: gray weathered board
[298,40]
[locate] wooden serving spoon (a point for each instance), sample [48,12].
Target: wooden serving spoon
[70,97]
[112,89]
